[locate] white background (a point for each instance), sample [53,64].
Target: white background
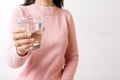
[98,35]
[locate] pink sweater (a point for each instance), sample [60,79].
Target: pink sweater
[57,58]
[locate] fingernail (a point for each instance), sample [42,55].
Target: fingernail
[28,34]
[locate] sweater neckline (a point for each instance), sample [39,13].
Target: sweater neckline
[45,10]
[44,7]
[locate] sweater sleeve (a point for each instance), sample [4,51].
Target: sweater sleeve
[12,58]
[71,55]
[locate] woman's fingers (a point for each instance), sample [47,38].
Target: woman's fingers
[20,33]
[17,36]
[24,41]
[18,30]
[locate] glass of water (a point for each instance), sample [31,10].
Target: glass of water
[32,24]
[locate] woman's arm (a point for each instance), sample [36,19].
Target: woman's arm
[12,57]
[71,56]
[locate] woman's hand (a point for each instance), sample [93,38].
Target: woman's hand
[22,41]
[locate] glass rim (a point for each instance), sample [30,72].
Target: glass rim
[28,19]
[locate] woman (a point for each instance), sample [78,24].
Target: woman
[57,57]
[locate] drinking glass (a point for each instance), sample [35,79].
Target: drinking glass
[32,24]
